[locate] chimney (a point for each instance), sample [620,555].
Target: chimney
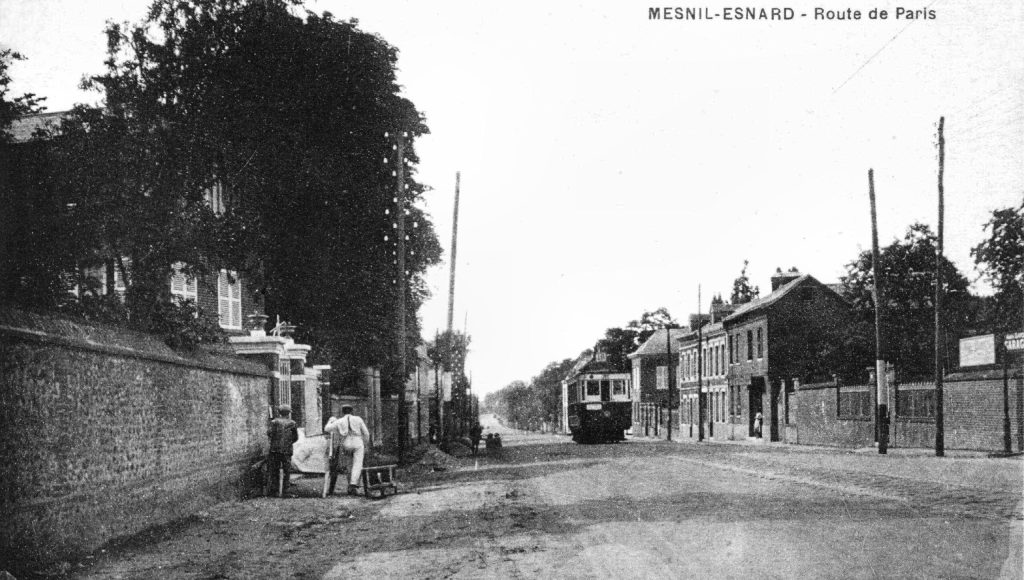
[780,278]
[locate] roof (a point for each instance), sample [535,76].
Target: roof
[707,330]
[655,344]
[766,301]
[21,129]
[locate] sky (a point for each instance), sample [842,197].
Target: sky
[612,164]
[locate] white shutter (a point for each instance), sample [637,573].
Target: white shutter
[229,299]
[223,299]
[181,285]
[236,302]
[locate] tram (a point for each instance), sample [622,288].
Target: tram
[599,403]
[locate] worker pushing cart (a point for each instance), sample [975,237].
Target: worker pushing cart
[350,436]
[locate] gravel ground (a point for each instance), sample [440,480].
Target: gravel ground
[545,507]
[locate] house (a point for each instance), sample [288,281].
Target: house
[703,368]
[24,190]
[650,370]
[770,342]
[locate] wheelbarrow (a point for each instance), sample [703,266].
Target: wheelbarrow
[379,479]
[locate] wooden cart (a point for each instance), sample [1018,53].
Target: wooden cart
[379,479]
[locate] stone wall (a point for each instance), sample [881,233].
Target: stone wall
[104,433]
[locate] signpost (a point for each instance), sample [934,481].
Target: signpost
[1014,342]
[977,351]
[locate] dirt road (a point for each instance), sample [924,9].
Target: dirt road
[549,508]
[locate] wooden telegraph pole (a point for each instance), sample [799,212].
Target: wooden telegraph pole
[881,380]
[940,434]
[458,400]
[403,424]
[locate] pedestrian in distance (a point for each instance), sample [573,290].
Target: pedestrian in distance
[352,439]
[475,433]
[758,421]
[283,432]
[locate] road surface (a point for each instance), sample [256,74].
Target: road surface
[641,509]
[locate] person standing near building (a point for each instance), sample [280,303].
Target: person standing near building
[475,434]
[352,438]
[758,422]
[283,432]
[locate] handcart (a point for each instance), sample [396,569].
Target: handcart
[379,478]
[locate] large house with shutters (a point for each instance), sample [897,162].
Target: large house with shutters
[224,293]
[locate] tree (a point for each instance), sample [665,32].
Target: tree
[13,108]
[650,322]
[288,115]
[1000,259]
[907,276]
[742,291]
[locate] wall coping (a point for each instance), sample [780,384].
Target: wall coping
[21,326]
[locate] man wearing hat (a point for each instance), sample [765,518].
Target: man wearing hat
[353,436]
[282,432]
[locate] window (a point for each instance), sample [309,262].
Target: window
[214,196]
[731,360]
[760,344]
[593,388]
[915,402]
[618,387]
[183,286]
[661,374]
[750,345]
[229,299]
[855,402]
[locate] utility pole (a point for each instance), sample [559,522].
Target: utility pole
[403,423]
[668,350]
[457,401]
[940,431]
[700,371]
[881,380]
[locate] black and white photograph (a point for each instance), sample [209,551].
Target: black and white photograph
[327,289]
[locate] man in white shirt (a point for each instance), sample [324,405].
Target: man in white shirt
[351,436]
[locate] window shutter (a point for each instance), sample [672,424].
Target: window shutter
[236,303]
[223,299]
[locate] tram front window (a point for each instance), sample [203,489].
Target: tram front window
[593,388]
[619,388]
[605,390]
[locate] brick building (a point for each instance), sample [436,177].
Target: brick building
[650,371]
[766,339]
[702,361]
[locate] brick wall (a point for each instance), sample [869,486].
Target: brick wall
[973,408]
[815,421]
[104,433]
[974,416]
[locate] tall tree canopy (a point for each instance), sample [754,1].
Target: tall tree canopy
[293,118]
[1000,259]
[742,290]
[907,276]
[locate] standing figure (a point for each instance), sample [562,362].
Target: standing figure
[283,432]
[475,433]
[758,421]
[353,436]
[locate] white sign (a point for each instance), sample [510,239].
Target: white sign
[978,350]
[1014,341]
